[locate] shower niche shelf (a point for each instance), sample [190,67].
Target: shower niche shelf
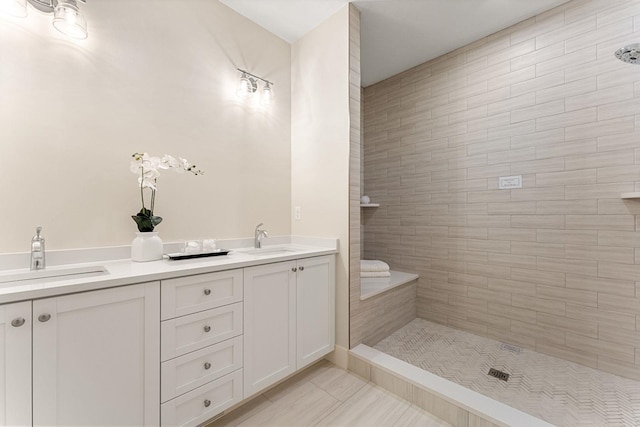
[375,205]
[635,195]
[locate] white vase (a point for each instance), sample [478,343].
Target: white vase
[146,246]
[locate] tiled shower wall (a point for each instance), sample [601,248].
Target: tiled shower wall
[552,266]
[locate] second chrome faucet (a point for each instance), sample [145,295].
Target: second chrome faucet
[258,235]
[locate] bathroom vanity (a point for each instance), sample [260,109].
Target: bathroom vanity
[163,343]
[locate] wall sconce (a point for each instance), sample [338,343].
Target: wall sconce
[248,85]
[67,17]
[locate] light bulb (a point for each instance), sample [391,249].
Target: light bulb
[17,8]
[68,19]
[246,87]
[267,94]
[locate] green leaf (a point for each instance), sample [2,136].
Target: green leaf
[145,220]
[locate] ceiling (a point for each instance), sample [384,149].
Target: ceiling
[396,34]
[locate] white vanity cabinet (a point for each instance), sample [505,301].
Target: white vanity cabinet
[96,357]
[289,318]
[15,364]
[315,309]
[201,352]
[92,357]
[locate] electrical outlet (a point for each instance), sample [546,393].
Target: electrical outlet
[297,213]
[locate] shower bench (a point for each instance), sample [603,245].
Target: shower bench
[372,286]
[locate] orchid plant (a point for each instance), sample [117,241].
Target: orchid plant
[148,170]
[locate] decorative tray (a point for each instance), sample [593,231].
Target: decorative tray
[182,255]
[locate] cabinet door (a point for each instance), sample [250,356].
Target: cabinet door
[96,358]
[15,364]
[269,325]
[315,309]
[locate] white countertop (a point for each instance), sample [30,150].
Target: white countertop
[126,272]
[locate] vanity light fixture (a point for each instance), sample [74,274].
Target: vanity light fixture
[67,17]
[248,85]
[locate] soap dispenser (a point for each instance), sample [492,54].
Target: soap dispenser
[37,251]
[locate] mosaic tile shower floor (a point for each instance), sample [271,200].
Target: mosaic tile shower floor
[560,392]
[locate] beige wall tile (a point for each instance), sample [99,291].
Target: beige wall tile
[601,253]
[538,249]
[563,207]
[538,221]
[625,288]
[571,148]
[510,312]
[601,128]
[617,367]
[574,237]
[602,317]
[540,334]
[567,89]
[440,408]
[563,352]
[589,329]
[551,278]
[574,266]
[538,304]
[568,295]
[513,286]
[618,271]
[542,193]
[619,304]
[625,353]
[543,99]
[574,177]
[600,97]
[513,234]
[392,383]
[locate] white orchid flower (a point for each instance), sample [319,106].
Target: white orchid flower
[148,170]
[168,162]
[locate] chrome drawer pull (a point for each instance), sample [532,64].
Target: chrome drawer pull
[207,365]
[207,328]
[294,269]
[44,317]
[16,323]
[207,403]
[207,291]
[302,268]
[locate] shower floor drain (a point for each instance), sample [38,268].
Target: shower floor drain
[499,374]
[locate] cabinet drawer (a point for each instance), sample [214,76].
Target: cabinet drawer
[189,333]
[203,403]
[187,295]
[192,370]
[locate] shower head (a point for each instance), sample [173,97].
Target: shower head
[629,54]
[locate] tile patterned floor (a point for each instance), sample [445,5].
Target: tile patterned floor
[325,395]
[560,392]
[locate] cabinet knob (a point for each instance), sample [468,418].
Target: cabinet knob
[207,403]
[207,365]
[16,323]
[44,317]
[207,328]
[294,269]
[207,291]
[301,268]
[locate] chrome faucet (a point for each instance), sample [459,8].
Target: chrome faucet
[37,251]
[259,234]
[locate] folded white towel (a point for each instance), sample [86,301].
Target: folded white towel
[373,265]
[372,274]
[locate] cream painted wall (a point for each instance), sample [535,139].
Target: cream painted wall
[320,145]
[156,76]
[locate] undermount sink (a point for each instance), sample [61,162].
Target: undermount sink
[51,275]
[268,251]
